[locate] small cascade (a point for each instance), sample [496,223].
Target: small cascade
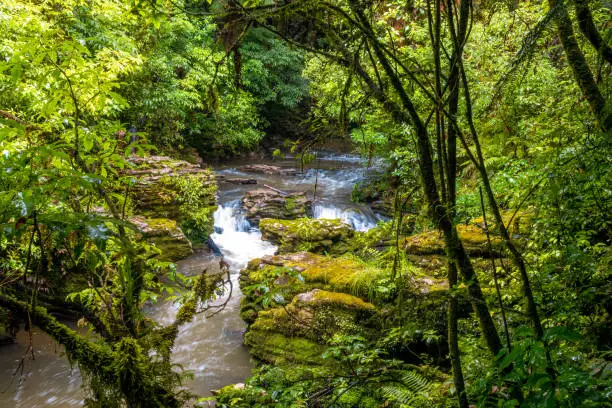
[228,217]
[235,237]
[212,348]
[357,219]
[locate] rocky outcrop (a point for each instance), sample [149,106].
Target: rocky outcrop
[267,169]
[298,332]
[267,203]
[165,235]
[307,234]
[159,182]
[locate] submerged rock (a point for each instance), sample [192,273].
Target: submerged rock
[267,169]
[306,234]
[240,180]
[165,235]
[266,203]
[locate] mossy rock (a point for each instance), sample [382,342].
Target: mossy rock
[517,222]
[170,188]
[306,234]
[266,203]
[302,328]
[276,348]
[242,396]
[165,235]
[315,272]
[474,241]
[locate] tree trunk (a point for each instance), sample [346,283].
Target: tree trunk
[440,216]
[587,26]
[579,66]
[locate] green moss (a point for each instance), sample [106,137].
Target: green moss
[516,224]
[172,249]
[336,299]
[344,275]
[307,234]
[276,348]
[432,242]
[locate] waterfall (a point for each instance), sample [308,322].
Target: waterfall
[237,241]
[358,220]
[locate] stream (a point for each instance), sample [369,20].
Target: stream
[211,348]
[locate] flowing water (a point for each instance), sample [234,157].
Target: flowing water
[211,348]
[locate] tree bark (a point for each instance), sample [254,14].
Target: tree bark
[579,66]
[587,26]
[440,216]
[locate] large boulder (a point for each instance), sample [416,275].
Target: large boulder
[165,235]
[298,333]
[267,203]
[307,234]
[291,274]
[175,189]
[267,169]
[157,188]
[295,303]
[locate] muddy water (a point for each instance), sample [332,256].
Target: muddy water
[211,348]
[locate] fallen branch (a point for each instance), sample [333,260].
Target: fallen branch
[276,189]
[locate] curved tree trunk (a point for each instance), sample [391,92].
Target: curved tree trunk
[579,66]
[440,216]
[587,26]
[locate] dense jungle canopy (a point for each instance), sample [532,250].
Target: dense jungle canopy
[472,267]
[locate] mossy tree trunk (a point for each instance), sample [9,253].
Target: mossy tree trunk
[582,71]
[590,31]
[441,217]
[109,366]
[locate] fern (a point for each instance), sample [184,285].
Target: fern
[406,391]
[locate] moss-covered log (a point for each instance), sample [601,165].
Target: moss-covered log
[110,367]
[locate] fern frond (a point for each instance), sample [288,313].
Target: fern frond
[407,390]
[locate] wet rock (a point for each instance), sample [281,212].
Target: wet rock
[267,203]
[239,180]
[165,235]
[306,234]
[267,169]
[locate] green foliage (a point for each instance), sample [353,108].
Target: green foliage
[195,211]
[574,381]
[271,70]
